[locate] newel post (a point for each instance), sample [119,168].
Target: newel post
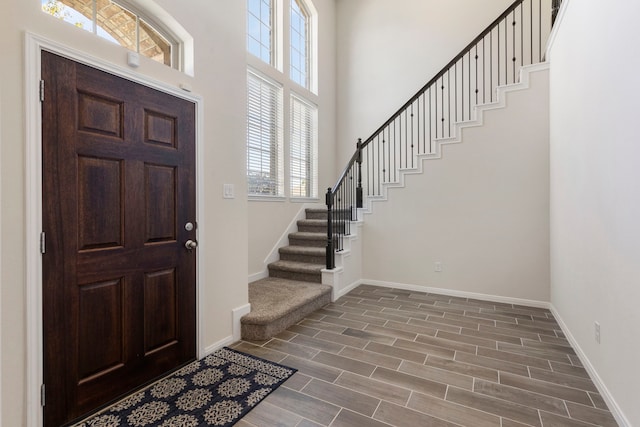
[359,186]
[330,254]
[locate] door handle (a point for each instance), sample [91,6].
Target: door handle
[191,244]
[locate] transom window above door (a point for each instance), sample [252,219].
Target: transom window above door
[120,23]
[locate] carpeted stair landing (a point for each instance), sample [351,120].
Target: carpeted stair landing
[278,303]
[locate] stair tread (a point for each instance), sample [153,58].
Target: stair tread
[309,235]
[306,250]
[296,266]
[313,221]
[273,298]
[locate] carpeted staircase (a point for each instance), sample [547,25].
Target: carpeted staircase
[293,288]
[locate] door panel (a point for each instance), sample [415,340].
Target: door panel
[118,283]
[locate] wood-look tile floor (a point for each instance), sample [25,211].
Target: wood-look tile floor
[380,357]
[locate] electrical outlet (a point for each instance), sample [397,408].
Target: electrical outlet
[438,266]
[597,331]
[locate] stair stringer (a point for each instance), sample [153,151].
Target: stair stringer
[282,241]
[457,131]
[347,273]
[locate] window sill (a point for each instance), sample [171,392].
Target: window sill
[256,198]
[304,200]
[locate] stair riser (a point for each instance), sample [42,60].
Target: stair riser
[303,277]
[308,228]
[311,259]
[316,215]
[319,243]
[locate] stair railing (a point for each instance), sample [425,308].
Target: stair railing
[515,39]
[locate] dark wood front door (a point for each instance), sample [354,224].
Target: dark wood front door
[119,298]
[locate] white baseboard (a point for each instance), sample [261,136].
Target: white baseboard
[348,289]
[461,294]
[258,276]
[217,346]
[236,315]
[602,388]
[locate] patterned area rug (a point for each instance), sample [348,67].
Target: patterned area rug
[215,391]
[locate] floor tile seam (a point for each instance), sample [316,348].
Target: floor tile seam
[444,371]
[337,405]
[503,337]
[465,342]
[350,358]
[300,345]
[396,320]
[399,330]
[337,324]
[446,385]
[562,375]
[470,316]
[540,327]
[528,329]
[471,365]
[564,401]
[525,346]
[445,339]
[594,408]
[470,319]
[564,386]
[519,354]
[450,402]
[373,379]
[405,311]
[380,381]
[571,418]
[490,397]
[581,377]
[287,410]
[276,351]
[451,325]
[495,369]
[420,412]
[320,349]
[549,395]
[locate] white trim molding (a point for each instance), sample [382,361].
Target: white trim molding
[236,315]
[456,293]
[615,409]
[34,45]
[1,281]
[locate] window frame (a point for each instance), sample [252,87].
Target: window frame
[310,148]
[177,45]
[279,72]
[307,22]
[276,147]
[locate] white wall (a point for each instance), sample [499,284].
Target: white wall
[387,50]
[220,78]
[269,219]
[595,189]
[481,210]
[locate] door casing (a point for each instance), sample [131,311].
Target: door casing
[34,45]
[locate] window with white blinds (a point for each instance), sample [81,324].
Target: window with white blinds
[303,155]
[282,112]
[265,164]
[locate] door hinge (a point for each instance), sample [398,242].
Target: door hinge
[43,243]
[42,395]
[41,90]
